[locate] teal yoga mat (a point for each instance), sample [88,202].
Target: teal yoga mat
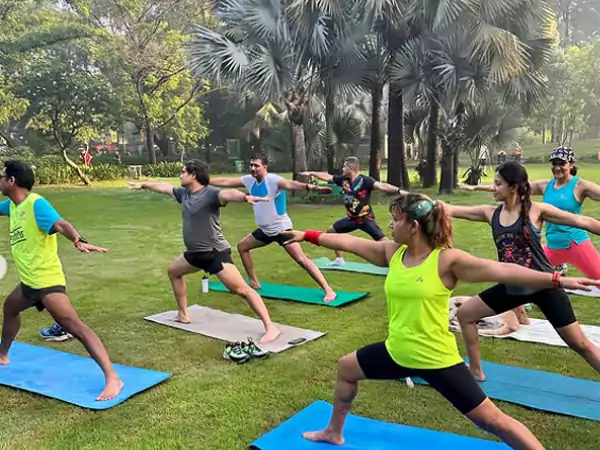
[545,391]
[351,266]
[299,294]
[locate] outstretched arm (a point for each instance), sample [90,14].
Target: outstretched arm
[469,268]
[293,185]
[390,188]
[378,253]
[552,214]
[67,230]
[472,188]
[160,187]
[481,213]
[320,175]
[235,196]
[49,221]
[590,190]
[538,187]
[227,182]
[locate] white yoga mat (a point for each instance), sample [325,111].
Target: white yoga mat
[594,292]
[538,331]
[234,327]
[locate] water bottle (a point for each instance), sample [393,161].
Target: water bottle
[204,284]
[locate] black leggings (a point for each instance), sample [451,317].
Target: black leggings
[455,383]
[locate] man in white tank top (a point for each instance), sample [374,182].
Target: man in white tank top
[272,219]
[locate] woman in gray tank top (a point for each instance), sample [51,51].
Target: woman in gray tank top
[516,226]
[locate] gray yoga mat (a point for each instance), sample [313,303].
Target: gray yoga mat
[234,327]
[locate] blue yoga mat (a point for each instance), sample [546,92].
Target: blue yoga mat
[71,378]
[545,391]
[364,434]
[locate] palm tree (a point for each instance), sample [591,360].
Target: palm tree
[259,48]
[346,125]
[488,125]
[463,50]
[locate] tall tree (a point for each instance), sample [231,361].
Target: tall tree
[260,48]
[461,52]
[142,45]
[28,28]
[69,101]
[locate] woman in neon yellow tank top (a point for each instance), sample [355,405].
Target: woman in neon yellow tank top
[423,272]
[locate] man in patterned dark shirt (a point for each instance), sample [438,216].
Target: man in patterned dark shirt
[356,189]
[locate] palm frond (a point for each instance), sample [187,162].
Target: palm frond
[212,55]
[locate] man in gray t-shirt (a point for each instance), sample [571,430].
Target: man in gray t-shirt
[200,211]
[206,247]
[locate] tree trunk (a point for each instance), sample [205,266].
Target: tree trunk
[447,176]
[544,135]
[5,135]
[455,156]
[82,176]
[299,149]
[430,168]
[150,143]
[397,172]
[375,150]
[329,147]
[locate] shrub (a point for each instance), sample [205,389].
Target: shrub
[162,170]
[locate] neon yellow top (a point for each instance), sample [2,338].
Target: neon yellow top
[418,309]
[35,251]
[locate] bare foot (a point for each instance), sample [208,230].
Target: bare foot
[111,389]
[271,334]
[477,374]
[324,436]
[182,318]
[254,284]
[4,360]
[330,296]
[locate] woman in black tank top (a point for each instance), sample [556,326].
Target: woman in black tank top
[516,226]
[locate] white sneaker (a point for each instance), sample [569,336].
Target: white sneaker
[338,262]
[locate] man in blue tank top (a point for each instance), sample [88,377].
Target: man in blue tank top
[272,219]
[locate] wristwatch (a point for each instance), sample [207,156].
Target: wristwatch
[81,239]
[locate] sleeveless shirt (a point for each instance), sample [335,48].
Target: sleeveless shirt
[512,250]
[561,236]
[35,253]
[418,310]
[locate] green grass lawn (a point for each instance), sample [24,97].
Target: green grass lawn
[210,403]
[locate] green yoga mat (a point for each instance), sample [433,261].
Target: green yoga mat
[351,266]
[298,294]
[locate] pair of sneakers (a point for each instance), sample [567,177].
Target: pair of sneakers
[55,333]
[240,352]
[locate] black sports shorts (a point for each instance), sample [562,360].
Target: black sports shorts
[34,297]
[348,225]
[455,383]
[210,262]
[261,236]
[554,303]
